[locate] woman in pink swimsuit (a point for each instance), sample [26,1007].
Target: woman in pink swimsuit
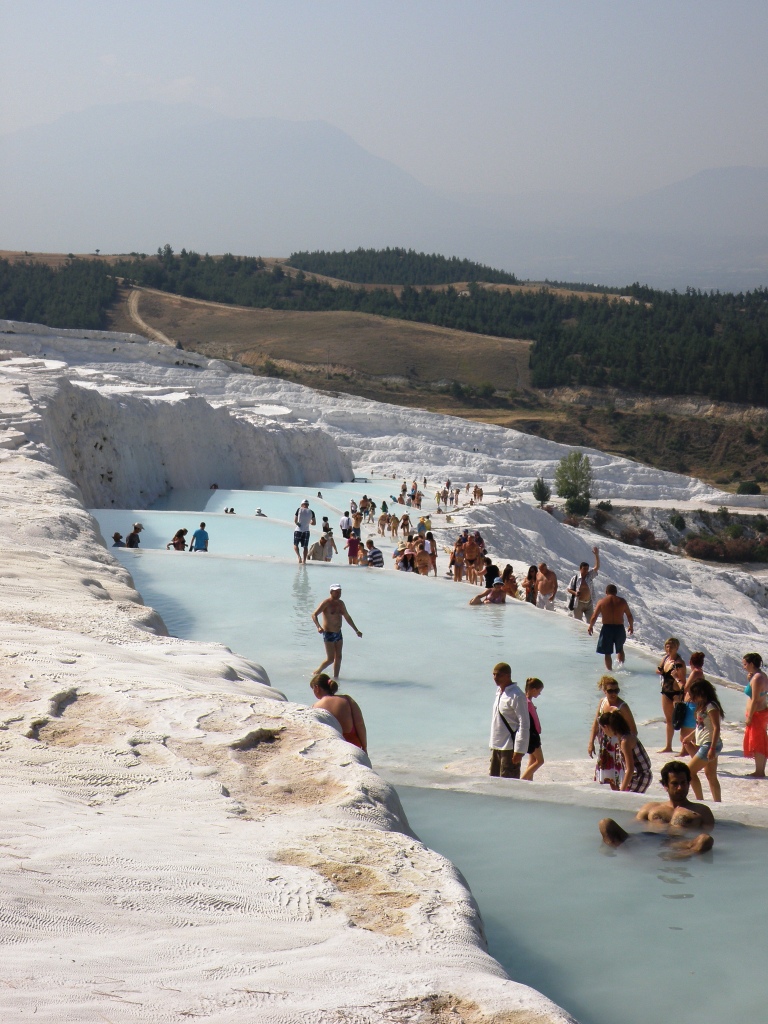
[343,708]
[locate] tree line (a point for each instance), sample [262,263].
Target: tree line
[396,266]
[78,295]
[646,340]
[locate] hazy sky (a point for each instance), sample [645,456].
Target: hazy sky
[618,96]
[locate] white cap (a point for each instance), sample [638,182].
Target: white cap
[336,586]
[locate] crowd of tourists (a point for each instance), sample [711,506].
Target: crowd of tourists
[689,701]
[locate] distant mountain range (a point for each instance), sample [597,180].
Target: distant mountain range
[134,176]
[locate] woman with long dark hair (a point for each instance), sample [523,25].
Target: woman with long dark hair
[529,585]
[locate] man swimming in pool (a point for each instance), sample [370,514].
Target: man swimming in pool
[332,610]
[671,817]
[612,609]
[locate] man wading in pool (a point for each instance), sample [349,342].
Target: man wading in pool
[333,610]
[613,635]
[671,816]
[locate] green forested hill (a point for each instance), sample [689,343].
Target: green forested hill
[646,340]
[77,295]
[396,266]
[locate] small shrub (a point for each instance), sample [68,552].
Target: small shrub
[724,514]
[541,491]
[629,535]
[270,369]
[605,506]
[677,521]
[572,521]
[749,487]
[741,549]
[647,538]
[599,517]
[734,531]
[577,505]
[699,547]
[760,554]
[761,523]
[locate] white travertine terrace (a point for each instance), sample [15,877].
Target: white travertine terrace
[178,840]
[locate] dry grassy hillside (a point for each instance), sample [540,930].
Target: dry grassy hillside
[410,364]
[376,351]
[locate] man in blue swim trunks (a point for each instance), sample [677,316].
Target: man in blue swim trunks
[333,610]
[612,609]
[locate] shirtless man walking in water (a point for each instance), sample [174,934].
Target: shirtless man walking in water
[612,608]
[546,588]
[672,816]
[333,610]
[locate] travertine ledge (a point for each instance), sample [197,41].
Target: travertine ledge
[179,840]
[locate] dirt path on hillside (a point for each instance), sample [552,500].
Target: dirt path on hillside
[133,313]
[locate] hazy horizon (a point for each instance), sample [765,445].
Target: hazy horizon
[491,117]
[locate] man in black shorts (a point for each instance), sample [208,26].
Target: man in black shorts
[612,609]
[304,518]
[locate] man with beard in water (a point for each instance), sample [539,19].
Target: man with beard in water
[670,817]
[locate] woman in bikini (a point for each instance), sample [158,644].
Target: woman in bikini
[431,550]
[458,560]
[671,668]
[608,765]
[343,708]
[529,585]
[509,581]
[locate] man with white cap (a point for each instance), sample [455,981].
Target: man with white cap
[332,610]
[303,518]
[133,540]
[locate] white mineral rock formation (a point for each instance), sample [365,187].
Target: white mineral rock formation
[178,840]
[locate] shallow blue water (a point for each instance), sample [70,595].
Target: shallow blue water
[422,670]
[614,937]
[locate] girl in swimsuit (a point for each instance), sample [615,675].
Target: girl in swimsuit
[634,764]
[672,685]
[688,728]
[709,715]
[343,708]
[533,688]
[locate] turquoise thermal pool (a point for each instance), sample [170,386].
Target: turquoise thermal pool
[614,937]
[611,936]
[422,670]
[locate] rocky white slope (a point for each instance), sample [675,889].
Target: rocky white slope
[178,840]
[721,611]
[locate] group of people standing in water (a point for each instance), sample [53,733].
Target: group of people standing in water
[691,707]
